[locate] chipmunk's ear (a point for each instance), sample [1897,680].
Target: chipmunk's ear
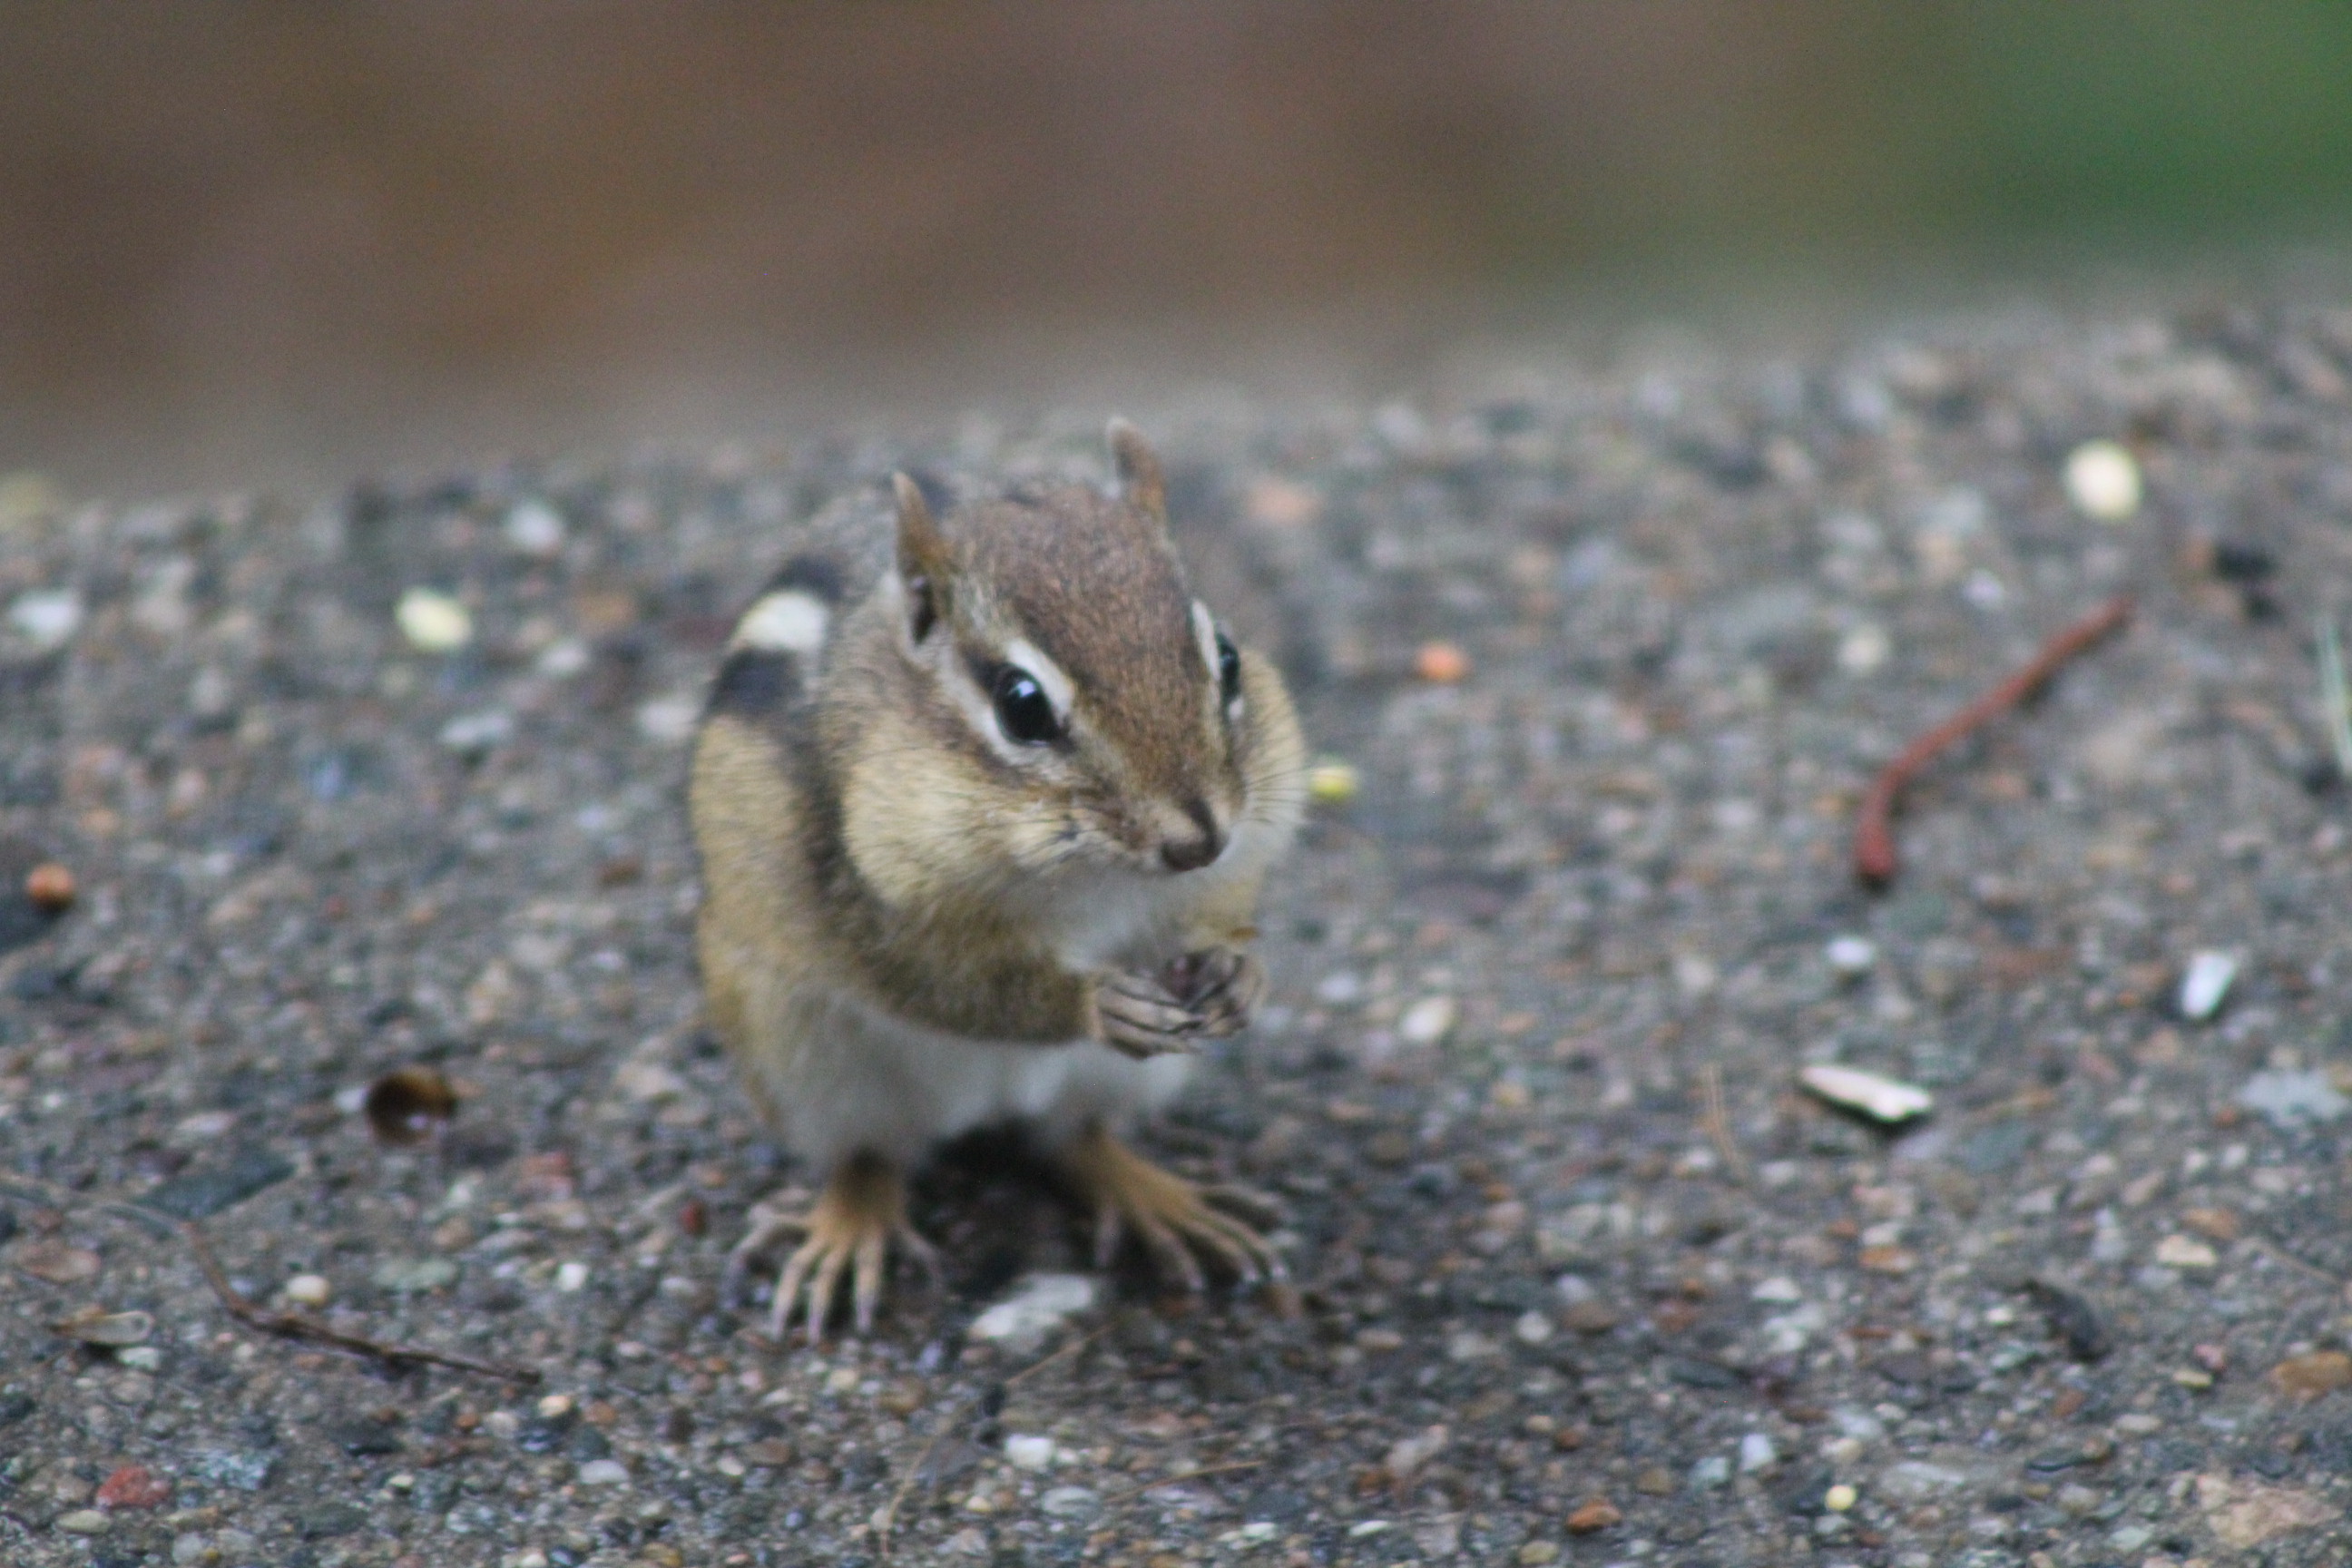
[1141,481]
[925,564]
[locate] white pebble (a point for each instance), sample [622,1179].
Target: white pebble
[2102,481]
[1863,649]
[667,720]
[1041,1304]
[1028,1452]
[1880,1098]
[572,1278]
[555,1406]
[1427,1021]
[433,622]
[535,527]
[46,617]
[1532,1328]
[1852,955]
[475,734]
[1756,1453]
[602,1473]
[563,658]
[2205,983]
[1779,1288]
[309,1290]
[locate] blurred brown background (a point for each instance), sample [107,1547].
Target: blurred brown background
[293,237]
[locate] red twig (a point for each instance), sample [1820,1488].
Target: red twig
[1874,859]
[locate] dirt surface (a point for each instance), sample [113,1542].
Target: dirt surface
[1581,1276]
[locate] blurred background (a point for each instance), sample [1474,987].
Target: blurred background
[289,240]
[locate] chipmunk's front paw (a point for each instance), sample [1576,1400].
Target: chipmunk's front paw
[1139,1015]
[1221,986]
[850,1227]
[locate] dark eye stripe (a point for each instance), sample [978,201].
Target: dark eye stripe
[1229,670]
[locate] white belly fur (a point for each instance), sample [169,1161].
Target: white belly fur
[858,1081]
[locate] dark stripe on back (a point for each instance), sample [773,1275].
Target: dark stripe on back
[817,575]
[754,683]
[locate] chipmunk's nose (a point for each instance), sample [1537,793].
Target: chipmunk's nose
[1190,851]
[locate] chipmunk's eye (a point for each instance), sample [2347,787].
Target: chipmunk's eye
[1229,670]
[1023,711]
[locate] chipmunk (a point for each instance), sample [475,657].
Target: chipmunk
[983,801]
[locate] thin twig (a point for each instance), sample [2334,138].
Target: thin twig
[296,1326]
[2278,1253]
[1718,1123]
[1073,1348]
[280,1325]
[2335,697]
[1875,858]
[1180,1478]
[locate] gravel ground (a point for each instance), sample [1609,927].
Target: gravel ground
[1581,1276]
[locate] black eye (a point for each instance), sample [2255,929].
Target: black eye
[1023,709]
[1229,670]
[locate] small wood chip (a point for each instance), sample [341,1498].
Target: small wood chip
[409,1105]
[95,1326]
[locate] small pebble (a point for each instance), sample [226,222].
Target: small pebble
[1440,663]
[1709,1473]
[433,622]
[1535,1554]
[668,720]
[2291,1099]
[2185,1252]
[1596,1515]
[572,1278]
[2310,1375]
[1427,1021]
[1042,1303]
[1880,1098]
[2204,983]
[602,1473]
[51,887]
[1531,1328]
[83,1521]
[554,1407]
[46,617]
[534,528]
[2102,481]
[111,1329]
[1852,956]
[309,1290]
[477,734]
[1840,1498]
[1756,1453]
[1027,1451]
[1332,782]
[1863,649]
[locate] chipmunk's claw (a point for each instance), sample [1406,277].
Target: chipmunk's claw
[1177,1221]
[850,1229]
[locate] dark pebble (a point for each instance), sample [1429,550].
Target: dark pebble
[324,1521]
[2071,1319]
[366,1435]
[1694,1373]
[15,1407]
[586,1443]
[1996,1148]
[203,1194]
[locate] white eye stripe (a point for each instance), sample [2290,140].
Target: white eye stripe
[786,621]
[1204,627]
[1025,655]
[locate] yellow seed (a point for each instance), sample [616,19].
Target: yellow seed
[1333,782]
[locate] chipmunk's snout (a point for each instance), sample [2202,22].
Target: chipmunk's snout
[1200,845]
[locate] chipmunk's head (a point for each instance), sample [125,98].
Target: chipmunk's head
[1074,669]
